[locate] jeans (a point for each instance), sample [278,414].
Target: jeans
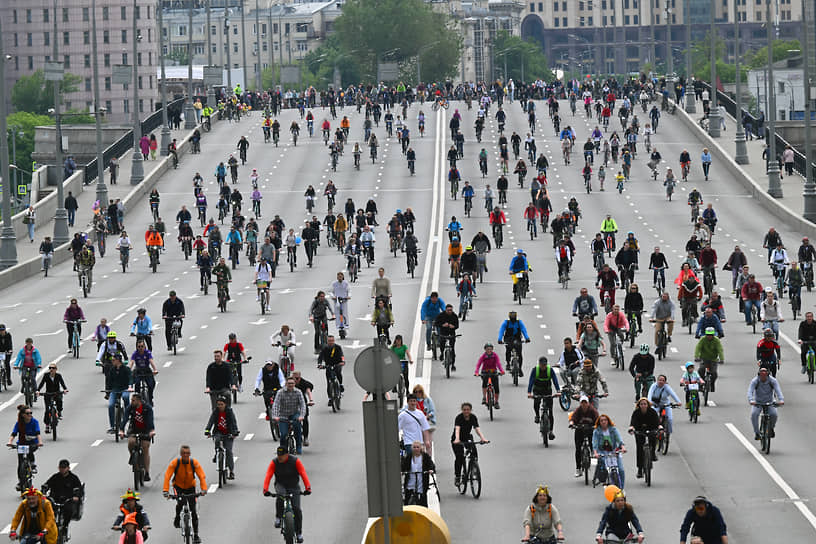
[428,330]
[31,231]
[279,489]
[112,402]
[227,441]
[283,425]
[748,304]
[756,410]
[71,217]
[773,325]
[341,307]
[533,223]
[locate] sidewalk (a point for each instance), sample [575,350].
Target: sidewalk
[84,215]
[792,186]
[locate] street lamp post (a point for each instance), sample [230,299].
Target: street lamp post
[809,192]
[714,111]
[137,161]
[258,83]
[165,131]
[691,106]
[189,110]
[227,44]
[669,53]
[101,188]
[774,186]
[60,216]
[243,40]
[210,90]
[8,240]
[742,150]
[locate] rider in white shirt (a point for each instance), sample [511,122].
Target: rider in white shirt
[285,336]
[341,293]
[263,275]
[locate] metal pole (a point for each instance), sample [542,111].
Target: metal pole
[258,83]
[742,151]
[691,106]
[101,188]
[522,66]
[165,131]
[227,40]
[419,68]
[210,91]
[669,56]
[243,42]
[137,166]
[16,177]
[271,46]
[774,187]
[809,192]
[280,39]
[714,111]
[60,216]
[379,396]
[189,110]
[8,240]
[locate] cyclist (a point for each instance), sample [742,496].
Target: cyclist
[154,241]
[223,425]
[626,260]
[464,425]
[286,469]
[65,487]
[289,409]
[489,365]
[318,315]
[688,295]
[795,280]
[183,472]
[616,325]
[139,416]
[764,389]
[172,311]
[530,214]
[641,367]
[430,310]
[367,239]
[778,260]
[511,332]
[454,254]
[770,312]
[584,415]
[806,254]
[584,304]
[109,349]
[454,228]
[709,352]
[465,288]
[340,292]
[707,521]
[607,441]
[27,431]
[130,507]
[607,282]
[644,419]
[73,319]
[768,352]
[609,227]
[235,355]
[540,389]
[332,357]
[617,518]
[270,379]
[118,383]
[35,519]
[588,379]
[144,368]
[695,198]
[469,261]
[518,265]
[446,323]
[6,349]
[685,162]
[86,259]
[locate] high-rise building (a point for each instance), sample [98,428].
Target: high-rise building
[29,38]
[621,36]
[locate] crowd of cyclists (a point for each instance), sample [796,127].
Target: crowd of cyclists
[129,378]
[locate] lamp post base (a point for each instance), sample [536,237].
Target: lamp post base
[8,248]
[774,186]
[809,195]
[102,190]
[189,116]
[691,103]
[60,226]
[165,140]
[742,150]
[137,168]
[714,122]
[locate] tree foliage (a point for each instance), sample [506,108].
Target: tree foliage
[515,53]
[36,95]
[369,31]
[781,50]
[751,60]
[23,125]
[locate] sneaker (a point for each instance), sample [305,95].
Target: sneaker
[578,473]
[484,402]
[456,482]
[147,477]
[496,406]
[214,459]
[772,435]
[803,369]
[756,436]
[613,363]
[453,368]
[521,373]
[107,396]
[267,417]
[306,442]
[654,458]
[277,523]
[329,404]
[111,431]
[639,473]
[299,539]
[47,429]
[231,475]
[537,419]
[176,523]
[70,350]
[342,389]
[551,436]
[196,539]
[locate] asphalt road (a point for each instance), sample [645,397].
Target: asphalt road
[708,458]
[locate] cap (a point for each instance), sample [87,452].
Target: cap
[583,398]
[519,251]
[698,499]
[710,331]
[172,293]
[488,345]
[542,360]
[689,363]
[269,362]
[282,450]
[64,463]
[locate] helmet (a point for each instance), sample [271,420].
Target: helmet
[455,239]
[768,290]
[111,334]
[710,331]
[630,232]
[399,210]
[768,332]
[520,251]
[469,248]
[644,349]
[130,494]
[689,364]
[232,335]
[488,345]
[542,360]
[511,313]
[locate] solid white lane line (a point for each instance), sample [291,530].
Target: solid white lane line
[766,465]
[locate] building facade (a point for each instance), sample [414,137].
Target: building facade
[29,38]
[622,36]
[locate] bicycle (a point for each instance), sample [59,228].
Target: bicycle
[352,267]
[693,404]
[141,384]
[220,457]
[490,392]
[647,455]
[544,414]
[46,263]
[795,302]
[684,169]
[520,286]
[186,524]
[223,297]
[410,497]
[473,474]
[63,534]
[124,256]
[610,462]
[153,252]
[175,328]
[468,205]
[695,211]
[335,391]
[85,280]
[514,367]
[807,271]
[236,376]
[411,257]
[395,243]
[616,349]
[454,188]
[810,362]
[187,247]
[137,460]
[288,519]
[465,303]
[29,385]
[766,431]
[118,410]
[263,296]
[25,475]
[447,354]
[75,339]
[52,415]
[663,434]
[4,356]
[498,235]
[633,328]
[290,440]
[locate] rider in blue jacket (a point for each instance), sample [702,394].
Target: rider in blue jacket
[431,307]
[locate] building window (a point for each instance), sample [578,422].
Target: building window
[182,30]
[105,36]
[263,28]
[108,105]
[634,4]
[556,20]
[86,14]
[106,60]
[14,16]
[302,45]
[213,30]
[66,38]
[563,8]
[87,84]
[139,59]
[28,16]
[564,21]
[301,27]
[555,6]
[45,15]
[234,30]
[29,39]
[581,6]
[635,19]
[126,105]
[86,37]
[30,63]
[105,13]
[625,4]
[532,7]
[66,63]
[124,58]
[124,36]
[123,13]
[626,19]
[46,38]
[265,46]
[580,21]
[214,49]
[151,81]
[87,61]
[589,21]
[17,63]
[604,20]
[107,84]
[64,15]
[141,86]
[235,48]
[138,12]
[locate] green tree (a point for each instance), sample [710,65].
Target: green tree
[782,49]
[23,125]
[36,95]
[519,56]
[398,31]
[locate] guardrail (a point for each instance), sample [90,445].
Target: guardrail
[120,146]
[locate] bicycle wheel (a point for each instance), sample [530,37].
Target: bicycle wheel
[117,420]
[54,420]
[273,428]
[585,464]
[174,340]
[647,464]
[515,370]
[291,444]
[707,388]
[448,362]
[401,390]
[475,477]
[222,471]
[564,400]
[335,396]
[544,428]
[490,402]
[695,408]
[663,443]
[75,345]
[810,370]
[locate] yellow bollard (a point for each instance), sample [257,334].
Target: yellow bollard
[417,524]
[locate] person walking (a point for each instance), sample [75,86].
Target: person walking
[144,146]
[113,168]
[154,145]
[71,206]
[28,220]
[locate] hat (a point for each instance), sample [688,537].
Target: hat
[583,398]
[130,494]
[31,491]
[710,331]
[689,363]
[282,450]
[130,518]
[172,293]
[64,463]
[698,499]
